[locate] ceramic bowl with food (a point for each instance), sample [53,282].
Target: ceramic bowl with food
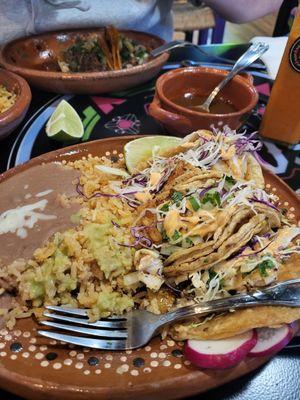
[178,93]
[84,61]
[15,97]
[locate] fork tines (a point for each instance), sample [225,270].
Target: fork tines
[108,334]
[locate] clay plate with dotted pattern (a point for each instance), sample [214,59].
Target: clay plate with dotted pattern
[36,368]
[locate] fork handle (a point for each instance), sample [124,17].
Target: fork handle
[236,302]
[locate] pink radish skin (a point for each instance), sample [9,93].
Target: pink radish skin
[220,354]
[270,340]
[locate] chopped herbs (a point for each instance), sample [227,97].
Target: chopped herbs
[176,236]
[213,197]
[212,273]
[230,180]
[189,241]
[194,203]
[177,197]
[264,266]
[164,235]
[165,207]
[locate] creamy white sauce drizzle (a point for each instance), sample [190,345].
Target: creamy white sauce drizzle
[18,220]
[44,193]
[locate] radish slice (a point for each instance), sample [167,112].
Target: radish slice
[270,340]
[220,354]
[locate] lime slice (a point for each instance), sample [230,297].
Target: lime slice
[64,124]
[141,149]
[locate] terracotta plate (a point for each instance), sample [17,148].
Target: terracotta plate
[34,58]
[36,368]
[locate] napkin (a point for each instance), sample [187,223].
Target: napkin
[273,56]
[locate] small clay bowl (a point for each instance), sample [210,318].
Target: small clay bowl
[12,117]
[35,58]
[179,120]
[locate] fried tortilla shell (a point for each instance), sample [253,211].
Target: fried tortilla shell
[231,245]
[234,323]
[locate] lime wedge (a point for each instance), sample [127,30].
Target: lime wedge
[64,124]
[141,149]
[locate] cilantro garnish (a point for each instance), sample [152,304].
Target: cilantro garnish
[194,203]
[230,180]
[189,241]
[176,236]
[212,273]
[177,197]
[213,197]
[164,235]
[165,207]
[263,266]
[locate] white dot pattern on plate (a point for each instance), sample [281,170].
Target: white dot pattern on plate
[177,366]
[39,356]
[44,363]
[87,361]
[134,372]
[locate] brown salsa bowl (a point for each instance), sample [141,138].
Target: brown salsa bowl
[12,117]
[34,58]
[199,80]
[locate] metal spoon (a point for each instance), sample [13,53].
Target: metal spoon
[252,54]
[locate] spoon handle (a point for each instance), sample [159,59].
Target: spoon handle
[252,54]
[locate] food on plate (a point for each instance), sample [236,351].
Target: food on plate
[7,99]
[220,354]
[108,52]
[64,124]
[191,223]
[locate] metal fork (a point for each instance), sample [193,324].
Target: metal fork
[136,328]
[181,43]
